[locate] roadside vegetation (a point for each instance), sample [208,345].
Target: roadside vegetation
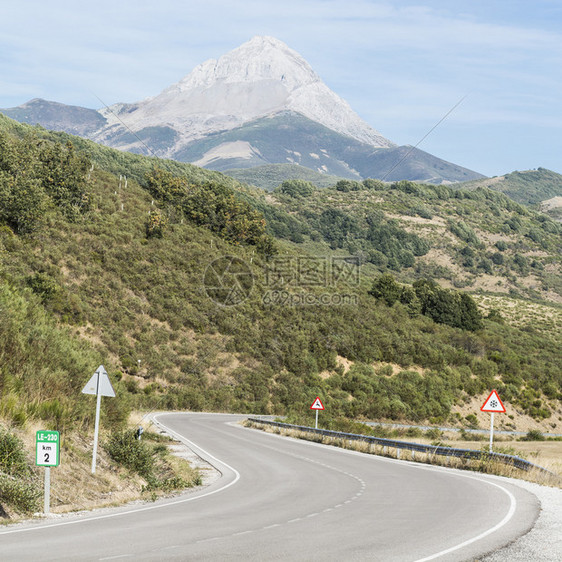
[547,469]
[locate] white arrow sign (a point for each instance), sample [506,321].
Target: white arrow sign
[99,384]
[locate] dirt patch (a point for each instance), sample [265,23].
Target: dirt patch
[344,363]
[519,422]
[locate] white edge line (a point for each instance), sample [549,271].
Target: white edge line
[504,521]
[140,509]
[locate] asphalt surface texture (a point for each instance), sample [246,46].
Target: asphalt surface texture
[285,499]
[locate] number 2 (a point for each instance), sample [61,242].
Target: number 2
[46,457]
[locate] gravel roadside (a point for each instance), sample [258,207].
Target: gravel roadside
[543,543]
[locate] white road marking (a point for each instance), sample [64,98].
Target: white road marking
[505,520]
[140,509]
[449,471]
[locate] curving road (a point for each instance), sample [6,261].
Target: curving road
[282,499]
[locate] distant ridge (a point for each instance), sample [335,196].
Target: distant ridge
[528,187]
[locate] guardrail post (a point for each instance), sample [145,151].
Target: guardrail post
[397,453]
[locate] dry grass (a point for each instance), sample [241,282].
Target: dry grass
[519,313]
[484,466]
[75,488]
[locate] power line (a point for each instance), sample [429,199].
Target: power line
[124,125]
[424,137]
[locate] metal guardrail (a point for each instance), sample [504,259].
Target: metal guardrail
[469,454]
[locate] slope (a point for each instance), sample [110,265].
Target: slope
[270,176]
[475,239]
[289,137]
[529,187]
[144,276]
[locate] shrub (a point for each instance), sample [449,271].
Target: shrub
[17,488]
[156,224]
[22,495]
[533,435]
[12,455]
[124,448]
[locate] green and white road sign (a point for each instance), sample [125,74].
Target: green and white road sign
[47,448]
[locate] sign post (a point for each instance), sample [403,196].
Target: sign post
[100,385]
[47,454]
[492,405]
[317,405]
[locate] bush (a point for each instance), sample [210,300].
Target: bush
[297,188]
[22,495]
[533,435]
[124,448]
[17,488]
[12,455]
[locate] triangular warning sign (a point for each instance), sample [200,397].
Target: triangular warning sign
[99,383]
[493,403]
[317,404]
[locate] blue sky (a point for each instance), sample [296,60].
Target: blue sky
[401,65]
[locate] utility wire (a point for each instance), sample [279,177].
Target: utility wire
[424,137]
[124,125]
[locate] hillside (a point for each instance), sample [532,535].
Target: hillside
[270,176]
[289,137]
[172,281]
[530,187]
[472,239]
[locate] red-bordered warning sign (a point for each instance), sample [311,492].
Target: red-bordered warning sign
[493,404]
[317,404]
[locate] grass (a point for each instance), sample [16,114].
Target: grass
[541,317]
[486,466]
[75,488]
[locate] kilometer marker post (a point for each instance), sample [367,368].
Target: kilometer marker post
[47,454]
[317,405]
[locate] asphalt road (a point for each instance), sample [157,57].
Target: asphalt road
[282,499]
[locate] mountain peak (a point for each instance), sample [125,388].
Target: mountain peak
[259,103]
[260,58]
[259,78]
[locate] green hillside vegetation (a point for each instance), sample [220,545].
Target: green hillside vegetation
[528,188]
[270,176]
[125,276]
[476,239]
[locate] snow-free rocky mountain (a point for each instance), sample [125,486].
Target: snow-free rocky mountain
[259,104]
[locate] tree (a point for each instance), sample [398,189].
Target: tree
[386,289]
[297,188]
[63,176]
[23,200]
[348,185]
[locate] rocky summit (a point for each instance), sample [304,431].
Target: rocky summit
[259,104]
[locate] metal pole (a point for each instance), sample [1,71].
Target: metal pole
[97,427]
[491,431]
[316,426]
[47,499]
